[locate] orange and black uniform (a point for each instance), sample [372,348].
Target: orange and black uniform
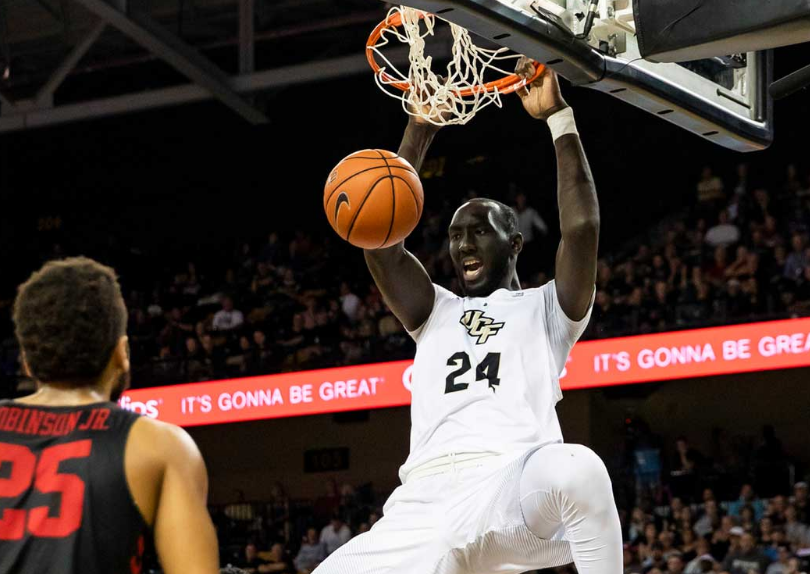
[65,506]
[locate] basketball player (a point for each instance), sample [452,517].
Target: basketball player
[83,482]
[489,486]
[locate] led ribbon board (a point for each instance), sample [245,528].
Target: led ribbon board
[620,361]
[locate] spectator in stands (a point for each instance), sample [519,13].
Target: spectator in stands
[227,318]
[709,521]
[667,540]
[311,554]
[646,541]
[724,233]
[335,534]
[703,556]
[794,566]
[607,316]
[780,566]
[797,259]
[278,509]
[688,545]
[529,221]
[349,302]
[747,519]
[715,272]
[636,526]
[776,509]
[795,531]
[239,360]
[772,236]
[278,560]
[349,504]
[765,530]
[212,356]
[271,251]
[263,281]
[741,187]
[725,538]
[262,359]
[251,563]
[655,559]
[687,458]
[296,336]
[747,498]
[741,267]
[196,367]
[747,559]
[167,367]
[709,189]
[801,502]
[675,563]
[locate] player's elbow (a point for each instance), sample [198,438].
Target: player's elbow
[585,228]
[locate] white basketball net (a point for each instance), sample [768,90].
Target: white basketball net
[438,100]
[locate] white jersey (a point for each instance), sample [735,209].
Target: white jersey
[486,373]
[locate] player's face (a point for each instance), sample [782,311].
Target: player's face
[481,249]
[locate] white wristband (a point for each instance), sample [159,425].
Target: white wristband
[562,123]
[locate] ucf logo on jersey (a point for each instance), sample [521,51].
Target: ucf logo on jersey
[479,326]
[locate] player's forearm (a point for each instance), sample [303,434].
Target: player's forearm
[415,142]
[575,270]
[576,192]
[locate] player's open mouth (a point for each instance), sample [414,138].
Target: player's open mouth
[472,269]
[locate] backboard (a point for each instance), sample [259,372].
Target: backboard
[724,100]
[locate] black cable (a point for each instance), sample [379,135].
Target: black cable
[790,83]
[593,8]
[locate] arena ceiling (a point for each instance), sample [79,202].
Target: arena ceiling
[67,60]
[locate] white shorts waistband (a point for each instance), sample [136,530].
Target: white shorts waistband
[450,463]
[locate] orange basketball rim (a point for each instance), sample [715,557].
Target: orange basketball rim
[504,85]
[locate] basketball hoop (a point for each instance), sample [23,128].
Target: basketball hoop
[450,100]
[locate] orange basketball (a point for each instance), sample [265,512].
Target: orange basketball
[373,198]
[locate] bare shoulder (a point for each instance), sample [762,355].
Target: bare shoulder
[164,443]
[153,448]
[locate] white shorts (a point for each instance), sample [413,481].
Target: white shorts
[465,521]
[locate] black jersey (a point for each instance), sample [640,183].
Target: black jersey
[65,506]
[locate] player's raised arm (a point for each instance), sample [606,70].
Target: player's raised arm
[575,272]
[403,282]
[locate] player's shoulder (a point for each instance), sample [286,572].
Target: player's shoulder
[161,440]
[545,291]
[532,293]
[444,293]
[444,300]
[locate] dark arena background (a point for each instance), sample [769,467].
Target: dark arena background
[197,210]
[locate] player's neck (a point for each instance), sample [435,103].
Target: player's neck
[61,394]
[510,283]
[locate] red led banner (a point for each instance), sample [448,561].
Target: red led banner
[620,361]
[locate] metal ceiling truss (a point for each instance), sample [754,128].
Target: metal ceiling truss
[321,70]
[208,81]
[207,78]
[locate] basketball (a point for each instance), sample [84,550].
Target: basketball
[373,199]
